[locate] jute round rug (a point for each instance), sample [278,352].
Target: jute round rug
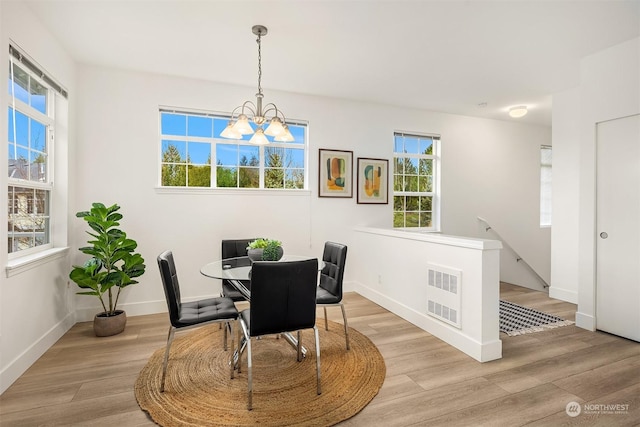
[199,392]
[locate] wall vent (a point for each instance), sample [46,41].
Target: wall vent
[444,294]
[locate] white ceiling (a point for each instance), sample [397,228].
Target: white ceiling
[438,55]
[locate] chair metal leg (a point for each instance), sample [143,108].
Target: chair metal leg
[249,365]
[240,330]
[224,341]
[230,326]
[250,370]
[315,331]
[326,323]
[346,327]
[166,357]
[299,347]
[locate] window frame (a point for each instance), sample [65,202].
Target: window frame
[215,141]
[435,193]
[546,188]
[48,120]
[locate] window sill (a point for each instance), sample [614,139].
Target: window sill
[25,263]
[231,191]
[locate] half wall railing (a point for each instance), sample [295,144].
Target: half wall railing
[488,228]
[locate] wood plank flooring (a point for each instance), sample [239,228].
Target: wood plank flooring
[83,380]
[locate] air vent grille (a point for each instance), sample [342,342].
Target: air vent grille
[443,294]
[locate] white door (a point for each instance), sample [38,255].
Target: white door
[618,227]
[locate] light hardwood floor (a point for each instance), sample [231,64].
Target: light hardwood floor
[87,381]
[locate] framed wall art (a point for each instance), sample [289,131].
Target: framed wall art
[373,181]
[335,173]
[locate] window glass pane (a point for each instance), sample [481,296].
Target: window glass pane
[398,203]
[425,219]
[294,178]
[38,96]
[21,84]
[174,151]
[294,158]
[10,125]
[174,124]
[398,144]
[425,184]
[19,168]
[274,178]
[398,219]
[218,126]
[425,203]
[199,153]
[38,167]
[411,145]
[398,165]
[199,176]
[411,183]
[249,177]
[200,126]
[426,146]
[227,154]
[426,167]
[226,176]
[249,155]
[298,134]
[274,157]
[42,202]
[398,183]
[412,219]
[174,175]
[38,136]
[412,203]
[22,129]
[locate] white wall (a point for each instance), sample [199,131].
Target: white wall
[609,89]
[490,168]
[36,306]
[566,201]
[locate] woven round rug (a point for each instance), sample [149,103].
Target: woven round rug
[199,392]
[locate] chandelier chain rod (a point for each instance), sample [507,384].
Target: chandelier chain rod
[259,64]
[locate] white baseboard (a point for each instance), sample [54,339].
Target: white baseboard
[585,321]
[563,294]
[482,352]
[20,364]
[132,309]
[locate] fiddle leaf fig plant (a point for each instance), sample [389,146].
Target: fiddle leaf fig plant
[113,261]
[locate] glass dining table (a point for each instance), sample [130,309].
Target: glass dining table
[237,270]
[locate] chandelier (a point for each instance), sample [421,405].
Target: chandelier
[267,115]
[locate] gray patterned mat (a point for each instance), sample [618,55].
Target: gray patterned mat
[517,320]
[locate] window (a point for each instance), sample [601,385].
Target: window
[415,175]
[30,138]
[194,155]
[545,186]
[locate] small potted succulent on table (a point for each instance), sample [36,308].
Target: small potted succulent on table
[265,250]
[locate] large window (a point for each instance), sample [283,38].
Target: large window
[545,185]
[194,155]
[415,175]
[30,140]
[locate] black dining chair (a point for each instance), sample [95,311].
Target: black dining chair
[283,299]
[183,315]
[234,248]
[329,291]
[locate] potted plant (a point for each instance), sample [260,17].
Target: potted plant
[265,250]
[113,265]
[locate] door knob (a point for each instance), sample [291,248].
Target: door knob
[604,235]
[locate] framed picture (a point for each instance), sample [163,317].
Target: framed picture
[373,181]
[335,173]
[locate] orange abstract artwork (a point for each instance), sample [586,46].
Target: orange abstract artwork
[336,170]
[372,180]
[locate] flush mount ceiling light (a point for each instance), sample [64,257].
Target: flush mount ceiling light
[518,111]
[268,115]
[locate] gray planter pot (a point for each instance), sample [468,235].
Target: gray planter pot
[106,326]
